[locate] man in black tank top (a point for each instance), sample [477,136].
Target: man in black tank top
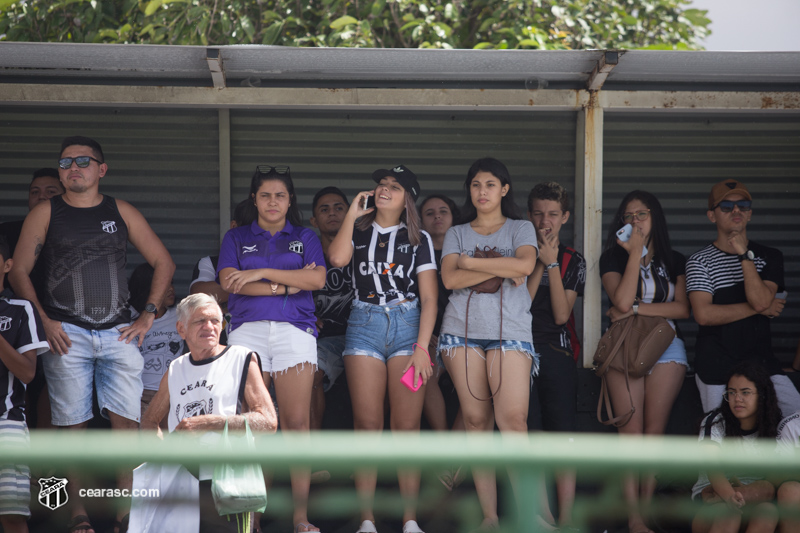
[79,240]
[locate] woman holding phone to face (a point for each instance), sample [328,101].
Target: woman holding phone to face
[389,328]
[499,365]
[269,268]
[643,275]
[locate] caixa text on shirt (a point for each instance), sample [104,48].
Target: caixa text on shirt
[199,384]
[381,268]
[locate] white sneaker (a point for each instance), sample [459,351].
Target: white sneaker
[412,527]
[367,526]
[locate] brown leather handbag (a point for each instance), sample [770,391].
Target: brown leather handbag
[631,346]
[490,286]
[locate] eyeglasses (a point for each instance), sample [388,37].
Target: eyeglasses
[641,216]
[730,394]
[726,206]
[82,161]
[268,169]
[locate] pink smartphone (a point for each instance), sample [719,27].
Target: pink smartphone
[408,380]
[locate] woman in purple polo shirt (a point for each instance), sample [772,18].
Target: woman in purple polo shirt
[270,268]
[389,329]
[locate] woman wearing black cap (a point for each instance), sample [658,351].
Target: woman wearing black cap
[389,328]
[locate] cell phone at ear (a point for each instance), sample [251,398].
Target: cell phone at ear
[369,202]
[782,295]
[624,233]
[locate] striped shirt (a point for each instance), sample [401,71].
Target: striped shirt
[386,264]
[21,327]
[720,274]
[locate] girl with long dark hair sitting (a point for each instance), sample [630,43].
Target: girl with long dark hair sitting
[749,411]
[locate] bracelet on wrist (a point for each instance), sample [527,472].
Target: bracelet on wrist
[418,345]
[553,265]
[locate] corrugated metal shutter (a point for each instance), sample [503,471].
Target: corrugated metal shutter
[344,148]
[163,161]
[678,157]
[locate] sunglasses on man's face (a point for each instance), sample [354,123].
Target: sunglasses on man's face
[269,169]
[726,206]
[82,161]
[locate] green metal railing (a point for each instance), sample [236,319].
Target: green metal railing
[600,460]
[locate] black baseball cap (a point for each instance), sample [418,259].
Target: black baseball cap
[404,177]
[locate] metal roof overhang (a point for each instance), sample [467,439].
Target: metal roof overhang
[269,76]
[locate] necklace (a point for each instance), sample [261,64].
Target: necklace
[381,243]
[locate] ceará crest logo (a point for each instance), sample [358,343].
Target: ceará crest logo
[53,492]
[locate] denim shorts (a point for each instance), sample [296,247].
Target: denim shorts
[448,343]
[280,345]
[381,331]
[675,353]
[329,359]
[96,355]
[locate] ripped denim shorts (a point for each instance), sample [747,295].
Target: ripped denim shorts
[448,343]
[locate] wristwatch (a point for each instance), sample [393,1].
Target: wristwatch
[635,308]
[748,256]
[274,287]
[151,308]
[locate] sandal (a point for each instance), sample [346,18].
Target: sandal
[307,527]
[121,526]
[79,523]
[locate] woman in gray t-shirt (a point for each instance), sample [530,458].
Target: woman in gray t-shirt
[496,365]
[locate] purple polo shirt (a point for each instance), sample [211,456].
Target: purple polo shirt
[251,247]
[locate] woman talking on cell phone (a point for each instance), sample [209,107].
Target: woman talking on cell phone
[642,274]
[269,268]
[485,339]
[389,329]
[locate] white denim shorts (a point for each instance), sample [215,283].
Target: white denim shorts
[279,344]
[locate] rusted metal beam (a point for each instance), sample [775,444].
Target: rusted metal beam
[287,98]
[589,219]
[215,66]
[700,100]
[604,66]
[271,97]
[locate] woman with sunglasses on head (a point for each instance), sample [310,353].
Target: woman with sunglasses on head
[644,275]
[749,411]
[270,267]
[389,328]
[483,361]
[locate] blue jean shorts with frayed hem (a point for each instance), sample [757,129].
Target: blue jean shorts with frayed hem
[97,357]
[448,343]
[382,331]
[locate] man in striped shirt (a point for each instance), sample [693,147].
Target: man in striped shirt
[734,286]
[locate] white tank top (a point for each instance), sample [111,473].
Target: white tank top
[210,387]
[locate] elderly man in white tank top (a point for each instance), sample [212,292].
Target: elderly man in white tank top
[208,386]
